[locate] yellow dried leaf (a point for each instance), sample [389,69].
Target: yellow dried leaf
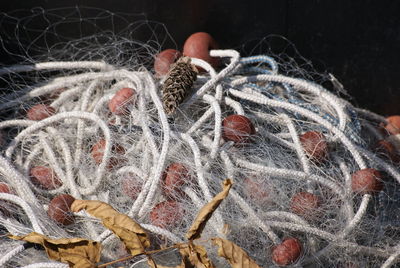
[130,232]
[77,252]
[236,256]
[226,229]
[207,211]
[194,256]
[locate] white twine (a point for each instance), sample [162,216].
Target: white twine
[27,209]
[9,255]
[151,141]
[47,265]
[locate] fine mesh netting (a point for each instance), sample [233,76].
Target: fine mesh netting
[283,98]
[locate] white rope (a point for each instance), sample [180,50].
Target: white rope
[17,180]
[9,255]
[151,141]
[310,115]
[27,209]
[56,65]
[392,258]
[47,265]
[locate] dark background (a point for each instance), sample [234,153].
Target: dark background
[357,41]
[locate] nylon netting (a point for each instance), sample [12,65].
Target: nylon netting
[78,75]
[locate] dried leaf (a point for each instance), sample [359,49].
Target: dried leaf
[77,252]
[236,256]
[194,256]
[130,232]
[206,212]
[226,229]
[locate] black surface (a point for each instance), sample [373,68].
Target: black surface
[357,41]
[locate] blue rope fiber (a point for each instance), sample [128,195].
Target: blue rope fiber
[260,59]
[267,65]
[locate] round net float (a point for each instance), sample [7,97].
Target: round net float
[315,145]
[198,45]
[120,102]
[60,209]
[45,177]
[257,191]
[393,124]
[305,204]
[131,185]
[175,177]
[164,60]
[40,112]
[237,128]
[167,214]
[116,159]
[387,149]
[366,181]
[54,94]
[287,252]
[4,188]
[98,151]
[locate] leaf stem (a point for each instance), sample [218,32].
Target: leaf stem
[131,256]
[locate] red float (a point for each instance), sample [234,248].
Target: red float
[167,214]
[287,252]
[393,124]
[257,192]
[121,101]
[98,153]
[131,185]
[237,128]
[315,145]
[175,176]
[40,112]
[45,178]
[4,188]
[366,181]
[305,204]
[198,45]
[60,209]
[4,205]
[387,149]
[164,60]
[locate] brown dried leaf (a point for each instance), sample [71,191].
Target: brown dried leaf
[207,211]
[236,256]
[194,256]
[77,252]
[130,232]
[226,229]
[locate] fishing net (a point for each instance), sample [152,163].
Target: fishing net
[77,76]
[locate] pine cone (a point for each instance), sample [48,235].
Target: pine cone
[178,83]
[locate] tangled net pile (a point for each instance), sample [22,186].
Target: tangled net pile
[346,228]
